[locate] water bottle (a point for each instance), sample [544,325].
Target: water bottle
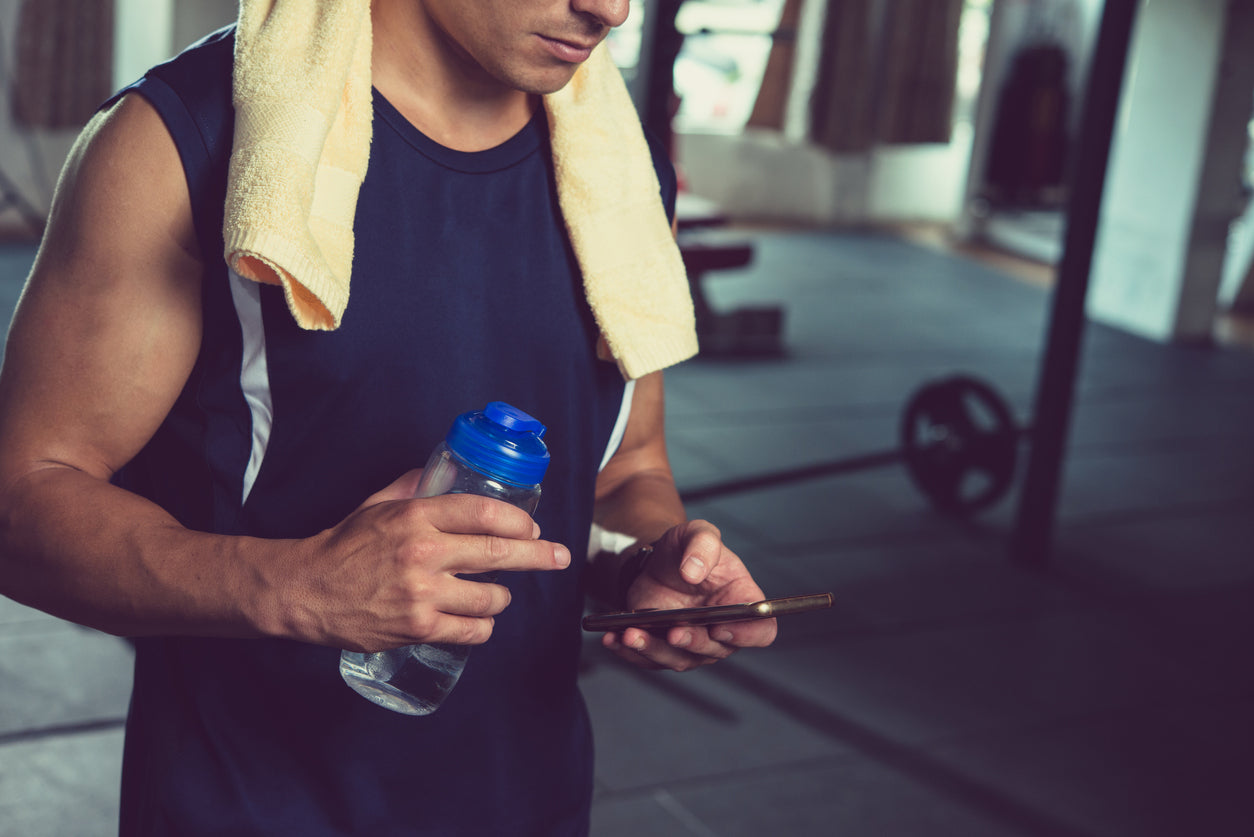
[496,452]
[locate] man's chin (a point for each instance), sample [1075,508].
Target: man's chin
[549,80]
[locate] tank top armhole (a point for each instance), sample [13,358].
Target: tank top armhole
[195,154]
[668,180]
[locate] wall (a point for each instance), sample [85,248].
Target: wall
[762,176]
[1014,24]
[1172,188]
[150,31]
[1237,287]
[920,182]
[781,178]
[193,19]
[29,160]
[145,32]
[142,37]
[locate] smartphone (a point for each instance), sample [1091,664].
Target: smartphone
[654,618]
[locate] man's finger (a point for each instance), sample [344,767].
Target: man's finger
[470,514]
[488,553]
[702,547]
[468,597]
[654,651]
[463,630]
[758,633]
[699,642]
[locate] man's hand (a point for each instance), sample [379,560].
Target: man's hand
[387,575]
[690,567]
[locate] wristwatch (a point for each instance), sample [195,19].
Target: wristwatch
[631,569]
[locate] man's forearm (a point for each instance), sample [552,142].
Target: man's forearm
[389,574]
[87,551]
[643,508]
[636,494]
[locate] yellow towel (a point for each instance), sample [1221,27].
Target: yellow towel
[303,118]
[302,94]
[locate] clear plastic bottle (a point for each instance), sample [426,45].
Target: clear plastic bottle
[496,452]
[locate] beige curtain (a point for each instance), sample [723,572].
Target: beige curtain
[770,106]
[919,60]
[840,104]
[887,70]
[64,66]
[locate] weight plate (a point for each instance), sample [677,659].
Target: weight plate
[960,444]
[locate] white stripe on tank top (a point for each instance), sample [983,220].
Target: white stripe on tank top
[254,376]
[620,425]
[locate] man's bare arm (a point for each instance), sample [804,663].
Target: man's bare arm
[636,492]
[105,335]
[690,567]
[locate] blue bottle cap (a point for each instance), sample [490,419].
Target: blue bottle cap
[512,418]
[501,441]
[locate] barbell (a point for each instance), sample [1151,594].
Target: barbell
[958,441]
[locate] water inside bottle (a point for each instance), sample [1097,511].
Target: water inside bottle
[412,680]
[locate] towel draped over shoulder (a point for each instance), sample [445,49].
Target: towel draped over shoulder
[302,95]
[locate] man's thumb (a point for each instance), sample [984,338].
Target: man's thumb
[403,488]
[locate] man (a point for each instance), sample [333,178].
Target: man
[149,489]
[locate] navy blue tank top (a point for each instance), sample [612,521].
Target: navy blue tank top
[464,291]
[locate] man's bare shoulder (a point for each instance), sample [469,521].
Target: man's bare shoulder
[108,325]
[131,115]
[122,188]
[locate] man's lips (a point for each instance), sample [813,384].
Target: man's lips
[573,52]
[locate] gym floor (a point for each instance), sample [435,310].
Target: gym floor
[951,690]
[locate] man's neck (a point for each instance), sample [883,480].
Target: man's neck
[440,89]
